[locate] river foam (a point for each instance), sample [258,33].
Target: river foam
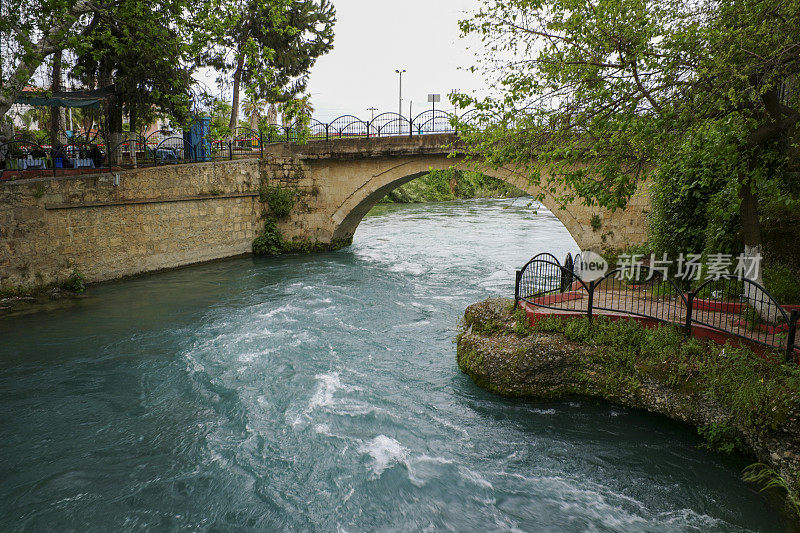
[320,393]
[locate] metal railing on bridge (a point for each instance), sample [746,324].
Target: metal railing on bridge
[26,157]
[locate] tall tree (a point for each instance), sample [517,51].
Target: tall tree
[254,108]
[32,30]
[600,93]
[55,85]
[268,46]
[297,111]
[144,50]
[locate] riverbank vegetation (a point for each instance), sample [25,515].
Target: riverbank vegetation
[13,299]
[738,400]
[443,185]
[279,202]
[701,100]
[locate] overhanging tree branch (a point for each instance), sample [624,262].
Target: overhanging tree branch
[55,38]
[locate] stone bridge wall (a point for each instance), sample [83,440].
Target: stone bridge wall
[352,175]
[108,226]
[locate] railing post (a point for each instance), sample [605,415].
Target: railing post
[261,143]
[230,150]
[687,327]
[327,127]
[516,288]
[795,316]
[590,305]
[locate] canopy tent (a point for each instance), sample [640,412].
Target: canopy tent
[83,99]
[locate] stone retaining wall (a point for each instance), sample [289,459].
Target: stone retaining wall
[113,225]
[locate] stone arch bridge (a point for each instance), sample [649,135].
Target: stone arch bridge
[113,224]
[344,178]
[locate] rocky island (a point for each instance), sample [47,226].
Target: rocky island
[738,401]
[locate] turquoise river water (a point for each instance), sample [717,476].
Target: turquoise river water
[321,393]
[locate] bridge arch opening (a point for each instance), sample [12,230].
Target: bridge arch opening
[376,185]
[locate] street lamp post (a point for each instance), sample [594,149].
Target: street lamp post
[400,104]
[433,98]
[372,119]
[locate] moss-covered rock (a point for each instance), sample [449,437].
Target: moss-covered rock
[737,400]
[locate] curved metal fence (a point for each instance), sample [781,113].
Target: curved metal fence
[245,142]
[389,124]
[70,152]
[130,153]
[643,292]
[722,308]
[173,150]
[433,121]
[743,308]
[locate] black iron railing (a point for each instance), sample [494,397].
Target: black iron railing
[21,156]
[26,159]
[735,307]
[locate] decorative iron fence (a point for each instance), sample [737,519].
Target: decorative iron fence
[88,150]
[733,307]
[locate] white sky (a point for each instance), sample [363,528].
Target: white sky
[375,37]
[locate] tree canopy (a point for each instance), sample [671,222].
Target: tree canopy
[30,32]
[603,93]
[267,46]
[149,50]
[144,50]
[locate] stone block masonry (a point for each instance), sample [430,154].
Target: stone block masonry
[111,225]
[108,226]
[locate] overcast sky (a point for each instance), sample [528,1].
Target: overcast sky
[376,37]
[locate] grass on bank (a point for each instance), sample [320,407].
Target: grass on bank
[74,283]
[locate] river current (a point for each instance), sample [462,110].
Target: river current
[320,393]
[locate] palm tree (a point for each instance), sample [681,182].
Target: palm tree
[304,106]
[253,107]
[272,115]
[297,110]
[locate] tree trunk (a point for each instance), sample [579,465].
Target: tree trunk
[753,248]
[751,226]
[55,112]
[113,116]
[237,80]
[133,138]
[114,125]
[133,120]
